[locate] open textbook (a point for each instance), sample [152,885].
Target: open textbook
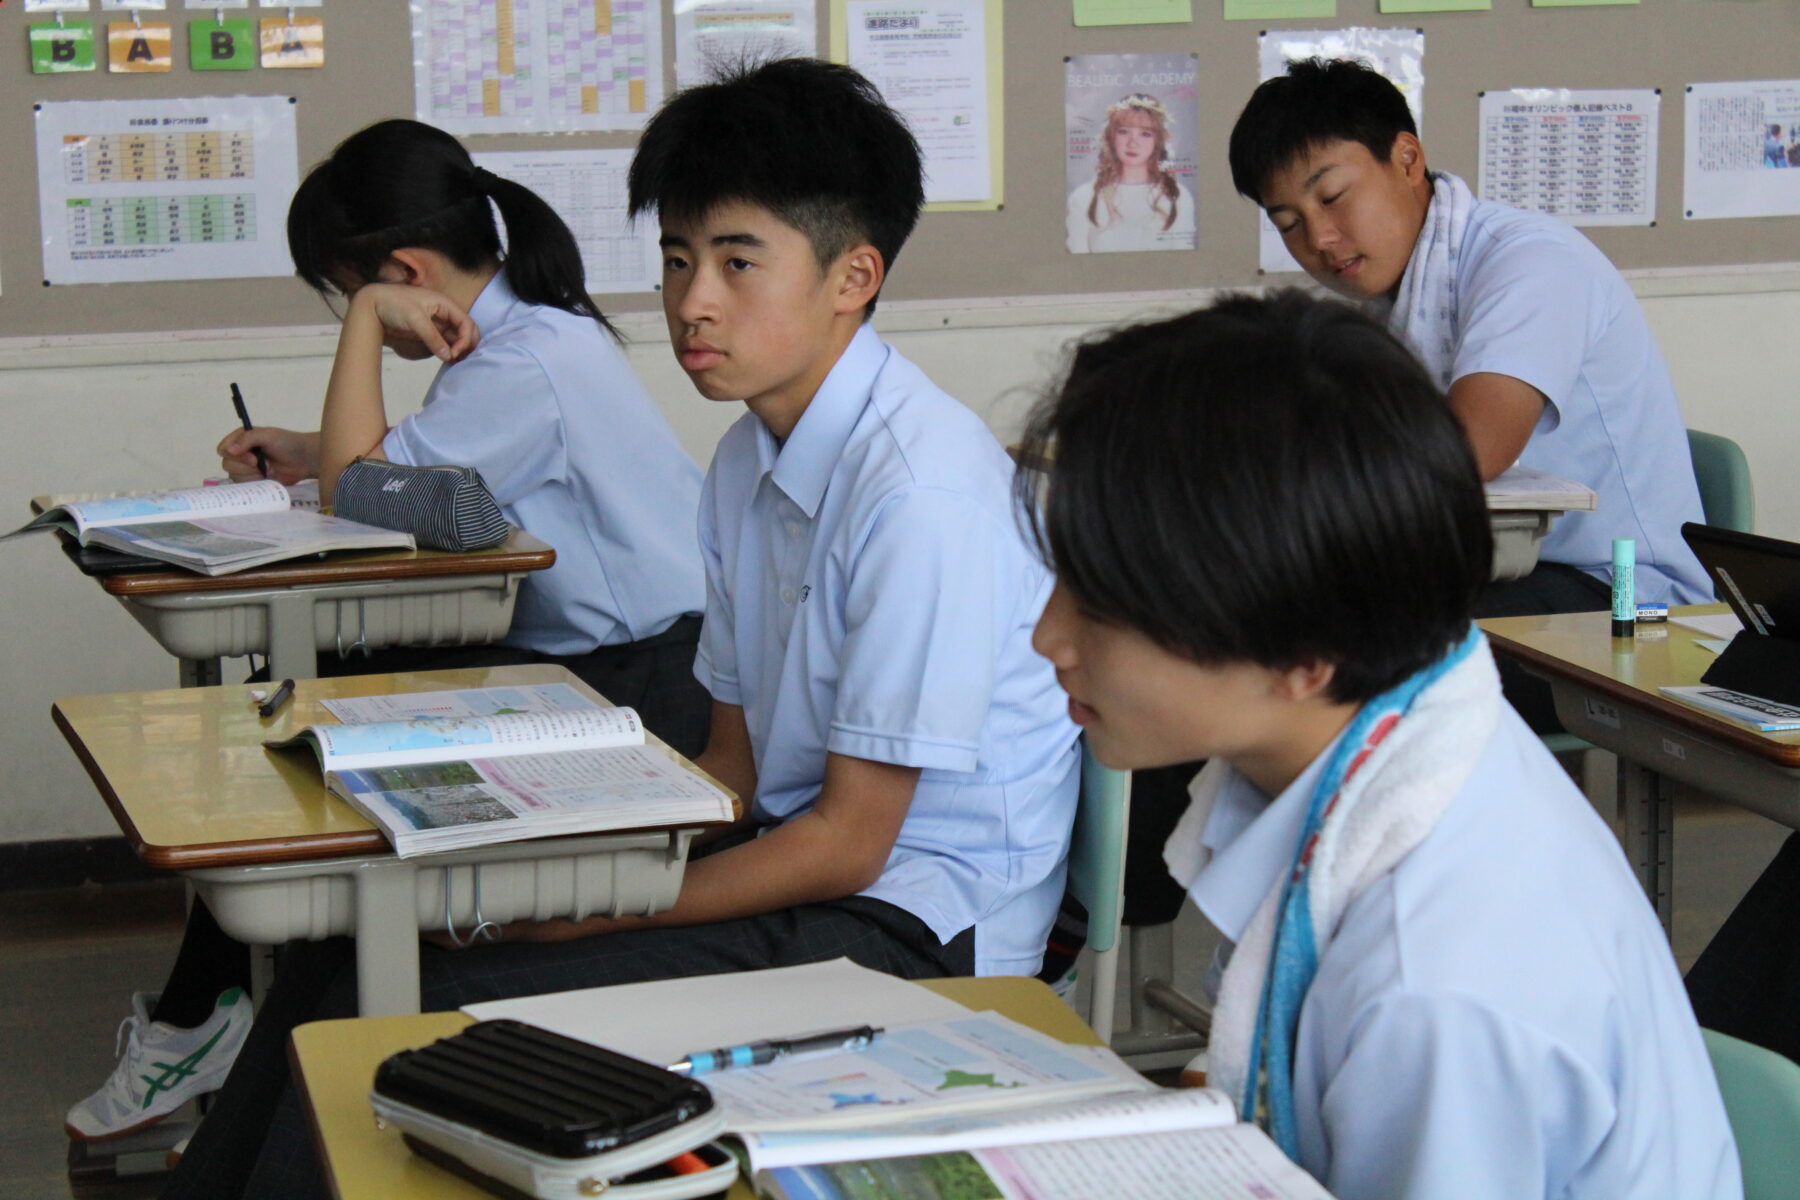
[214,530]
[441,771]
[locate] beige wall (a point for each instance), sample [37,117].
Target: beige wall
[144,412]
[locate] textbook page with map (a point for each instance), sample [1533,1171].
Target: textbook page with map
[214,530]
[438,771]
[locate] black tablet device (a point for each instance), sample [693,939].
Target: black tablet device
[1760,578]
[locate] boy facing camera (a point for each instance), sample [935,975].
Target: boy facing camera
[1268,534]
[1541,348]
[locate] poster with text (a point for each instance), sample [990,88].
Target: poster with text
[713,36]
[135,190]
[587,190]
[932,60]
[1742,149]
[536,66]
[1587,157]
[1129,156]
[1398,54]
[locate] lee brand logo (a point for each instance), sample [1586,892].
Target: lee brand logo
[393,485]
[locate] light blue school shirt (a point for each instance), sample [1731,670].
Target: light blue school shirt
[579,456]
[1499,1017]
[1537,301]
[869,594]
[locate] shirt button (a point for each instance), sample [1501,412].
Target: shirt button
[793,529]
[787,595]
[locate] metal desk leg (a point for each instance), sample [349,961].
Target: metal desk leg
[387,938]
[1649,835]
[199,672]
[292,648]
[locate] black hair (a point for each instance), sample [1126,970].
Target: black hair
[1317,102]
[1272,480]
[400,184]
[812,142]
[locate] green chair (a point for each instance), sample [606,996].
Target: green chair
[1097,877]
[1726,500]
[1762,1100]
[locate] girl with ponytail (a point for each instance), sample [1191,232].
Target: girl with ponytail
[397,229]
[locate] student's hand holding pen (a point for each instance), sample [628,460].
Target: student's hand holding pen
[416,322]
[292,456]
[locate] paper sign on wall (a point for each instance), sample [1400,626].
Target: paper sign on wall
[136,49]
[1742,149]
[222,45]
[133,190]
[56,49]
[1587,157]
[713,35]
[299,42]
[1132,12]
[587,190]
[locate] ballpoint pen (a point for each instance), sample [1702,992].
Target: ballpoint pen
[237,402]
[755,1054]
[281,696]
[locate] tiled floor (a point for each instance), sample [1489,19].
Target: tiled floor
[69,959]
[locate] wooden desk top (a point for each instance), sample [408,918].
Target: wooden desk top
[186,776]
[1580,648]
[519,552]
[335,1065]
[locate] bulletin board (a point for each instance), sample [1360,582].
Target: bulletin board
[1017,250]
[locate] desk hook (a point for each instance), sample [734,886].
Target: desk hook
[485,930]
[362,627]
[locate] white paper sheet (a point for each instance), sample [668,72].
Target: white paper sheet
[1715,625]
[661,1022]
[587,190]
[929,59]
[1740,149]
[1587,157]
[531,66]
[468,702]
[711,35]
[1397,53]
[133,190]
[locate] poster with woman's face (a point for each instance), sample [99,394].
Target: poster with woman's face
[1131,143]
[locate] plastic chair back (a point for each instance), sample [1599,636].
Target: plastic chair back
[1762,1100]
[1723,474]
[1097,849]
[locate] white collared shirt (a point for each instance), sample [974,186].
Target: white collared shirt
[580,457]
[1498,1017]
[869,594]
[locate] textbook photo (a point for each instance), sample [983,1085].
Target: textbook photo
[441,771]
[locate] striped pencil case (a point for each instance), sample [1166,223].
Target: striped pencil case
[445,508]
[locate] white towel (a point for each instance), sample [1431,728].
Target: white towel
[1424,311]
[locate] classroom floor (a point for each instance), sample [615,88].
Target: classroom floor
[69,959]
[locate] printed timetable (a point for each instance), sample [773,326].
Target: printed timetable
[1586,157]
[137,190]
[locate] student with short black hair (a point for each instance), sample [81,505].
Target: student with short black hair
[906,761]
[1536,339]
[1442,979]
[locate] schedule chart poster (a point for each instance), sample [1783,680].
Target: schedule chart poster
[587,190]
[536,66]
[1742,149]
[1588,157]
[136,190]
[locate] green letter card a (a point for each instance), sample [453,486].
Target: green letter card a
[59,48]
[222,45]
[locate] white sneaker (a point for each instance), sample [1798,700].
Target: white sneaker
[160,1067]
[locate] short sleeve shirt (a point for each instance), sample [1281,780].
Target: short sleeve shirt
[869,594]
[579,456]
[1537,301]
[1497,1018]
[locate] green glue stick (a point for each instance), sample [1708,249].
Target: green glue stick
[1624,594]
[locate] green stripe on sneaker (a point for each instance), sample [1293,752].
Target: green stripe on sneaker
[174,1073]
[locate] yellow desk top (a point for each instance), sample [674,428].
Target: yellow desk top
[335,1061]
[186,776]
[1580,648]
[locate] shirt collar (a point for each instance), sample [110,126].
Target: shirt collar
[804,463]
[494,304]
[1252,840]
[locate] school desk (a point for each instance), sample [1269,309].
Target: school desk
[276,857]
[1605,690]
[335,1061]
[294,610]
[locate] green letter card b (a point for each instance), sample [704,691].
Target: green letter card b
[59,48]
[222,45]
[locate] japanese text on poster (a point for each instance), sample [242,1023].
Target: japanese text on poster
[1588,157]
[1130,152]
[1742,149]
[587,190]
[712,36]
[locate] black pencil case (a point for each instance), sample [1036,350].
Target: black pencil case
[529,1113]
[444,508]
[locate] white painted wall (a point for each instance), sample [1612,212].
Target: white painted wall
[145,412]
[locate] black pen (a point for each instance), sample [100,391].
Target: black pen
[262,461]
[282,695]
[755,1054]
